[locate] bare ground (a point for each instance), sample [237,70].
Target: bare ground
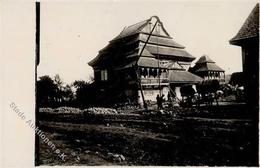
[189,138]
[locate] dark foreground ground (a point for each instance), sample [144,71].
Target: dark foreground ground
[219,136]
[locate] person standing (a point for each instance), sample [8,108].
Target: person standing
[158,100]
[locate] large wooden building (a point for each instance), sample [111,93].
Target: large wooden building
[248,39]
[143,61]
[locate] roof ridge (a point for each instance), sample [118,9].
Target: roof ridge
[204,59]
[126,28]
[136,23]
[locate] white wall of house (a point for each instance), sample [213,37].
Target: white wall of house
[151,94]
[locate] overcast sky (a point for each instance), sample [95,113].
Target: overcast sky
[72,32]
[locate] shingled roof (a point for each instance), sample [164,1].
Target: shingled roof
[182,77]
[209,67]
[250,28]
[125,48]
[205,64]
[204,59]
[131,30]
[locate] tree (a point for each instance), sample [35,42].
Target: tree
[67,93]
[59,92]
[86,93]
[58,81]
[46,91]
[79,84]
[52,92]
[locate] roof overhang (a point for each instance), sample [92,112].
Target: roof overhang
[183,77]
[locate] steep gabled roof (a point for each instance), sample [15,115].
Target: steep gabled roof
[209,67]
[250,28]
[131,30]
[204,59]
[205,64]
[139,28]
[130,41]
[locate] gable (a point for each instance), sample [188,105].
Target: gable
[158,31]
[127,45]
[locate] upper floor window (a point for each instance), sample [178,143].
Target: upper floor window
[104,75]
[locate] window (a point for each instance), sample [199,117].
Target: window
[104,75]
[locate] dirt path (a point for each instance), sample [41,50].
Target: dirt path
[166,141]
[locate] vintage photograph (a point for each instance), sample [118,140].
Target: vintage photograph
[146,83]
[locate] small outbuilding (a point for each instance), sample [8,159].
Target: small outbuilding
[207,69]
